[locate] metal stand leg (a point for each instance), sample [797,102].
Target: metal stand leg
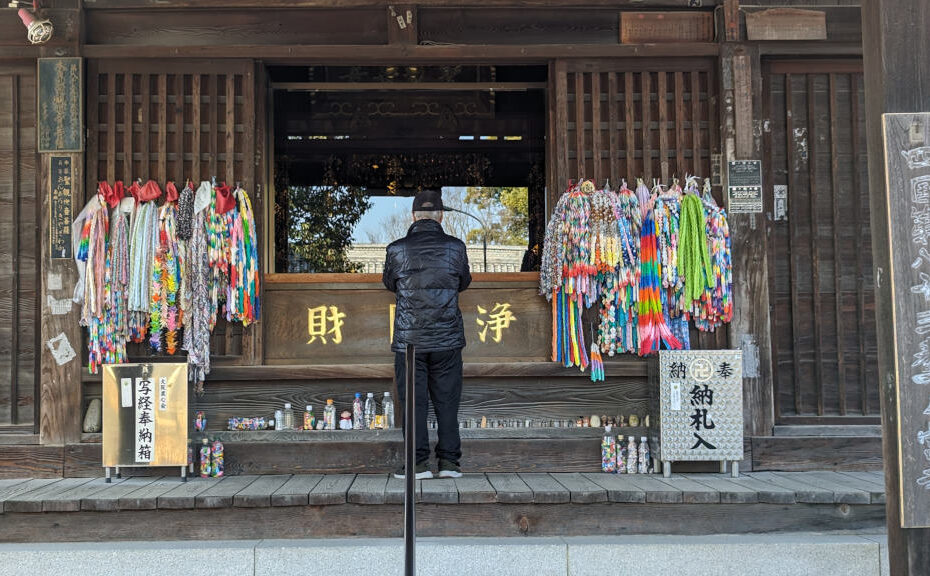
[410,525]
[106,471]
[666,469]
[183,473]
[734,470]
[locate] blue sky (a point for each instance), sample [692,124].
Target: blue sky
[382,207]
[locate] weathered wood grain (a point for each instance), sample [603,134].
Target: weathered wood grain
[875,493]
[796,454]
[438,491]
[394,490]
[510,488]
[766,492]
[184,495]
[258,493]
[223,27]
[70,500]
[842,493]
[108,500]
[295,492]
[619,487]
[583,490]
[368,489]
[331,489]
[30,461]
[222,494]
[146,497]
[693,492]
[33,501]
[546,489]
[803,492]
[730,492]
[496,520]
[19,487]
[475,489]
[656,490]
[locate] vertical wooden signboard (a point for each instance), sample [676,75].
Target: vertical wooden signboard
[907,163]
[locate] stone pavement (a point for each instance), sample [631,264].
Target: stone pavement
[795,554]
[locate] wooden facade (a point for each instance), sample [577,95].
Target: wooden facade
[179,90]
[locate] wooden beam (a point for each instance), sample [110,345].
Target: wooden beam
[213,4]
[896,49]
[407,86]
[750,329]
[60,383]
[394,54]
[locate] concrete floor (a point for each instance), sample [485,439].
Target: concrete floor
[795,554]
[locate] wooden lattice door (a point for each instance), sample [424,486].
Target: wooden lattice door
[820,258]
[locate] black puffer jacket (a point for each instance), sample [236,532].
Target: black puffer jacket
[427,269]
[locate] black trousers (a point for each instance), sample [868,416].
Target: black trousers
[438,380]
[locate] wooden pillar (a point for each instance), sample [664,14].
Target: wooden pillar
[896,49]
[750,329]
[60,407]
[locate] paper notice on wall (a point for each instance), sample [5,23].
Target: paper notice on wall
[125,392]
[58,307]
[163,393]
[61,349]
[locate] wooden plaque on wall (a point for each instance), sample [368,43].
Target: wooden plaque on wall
[653,27]
[61,105]
[786,24]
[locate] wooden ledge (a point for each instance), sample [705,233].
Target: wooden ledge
[621,368]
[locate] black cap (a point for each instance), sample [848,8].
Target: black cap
[427,201]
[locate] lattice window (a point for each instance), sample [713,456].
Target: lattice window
[625,119]
[174,121]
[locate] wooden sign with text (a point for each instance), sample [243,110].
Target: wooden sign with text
[907,163]
[314,324]
[60,125]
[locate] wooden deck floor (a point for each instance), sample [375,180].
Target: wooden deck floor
[477,504]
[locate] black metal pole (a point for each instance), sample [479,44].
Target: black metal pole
[484,249]
[410,524]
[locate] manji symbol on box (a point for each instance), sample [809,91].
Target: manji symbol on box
[701,405]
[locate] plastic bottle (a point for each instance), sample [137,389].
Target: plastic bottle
[218,466]
[288,417]
[309,420]
[329,415]
[631,456]
[358,414]
[644,455]
[205,465]
[371,408]
[388,407]
[621,455]
[608,451]
[278,420]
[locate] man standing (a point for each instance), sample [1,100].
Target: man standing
[427,269]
